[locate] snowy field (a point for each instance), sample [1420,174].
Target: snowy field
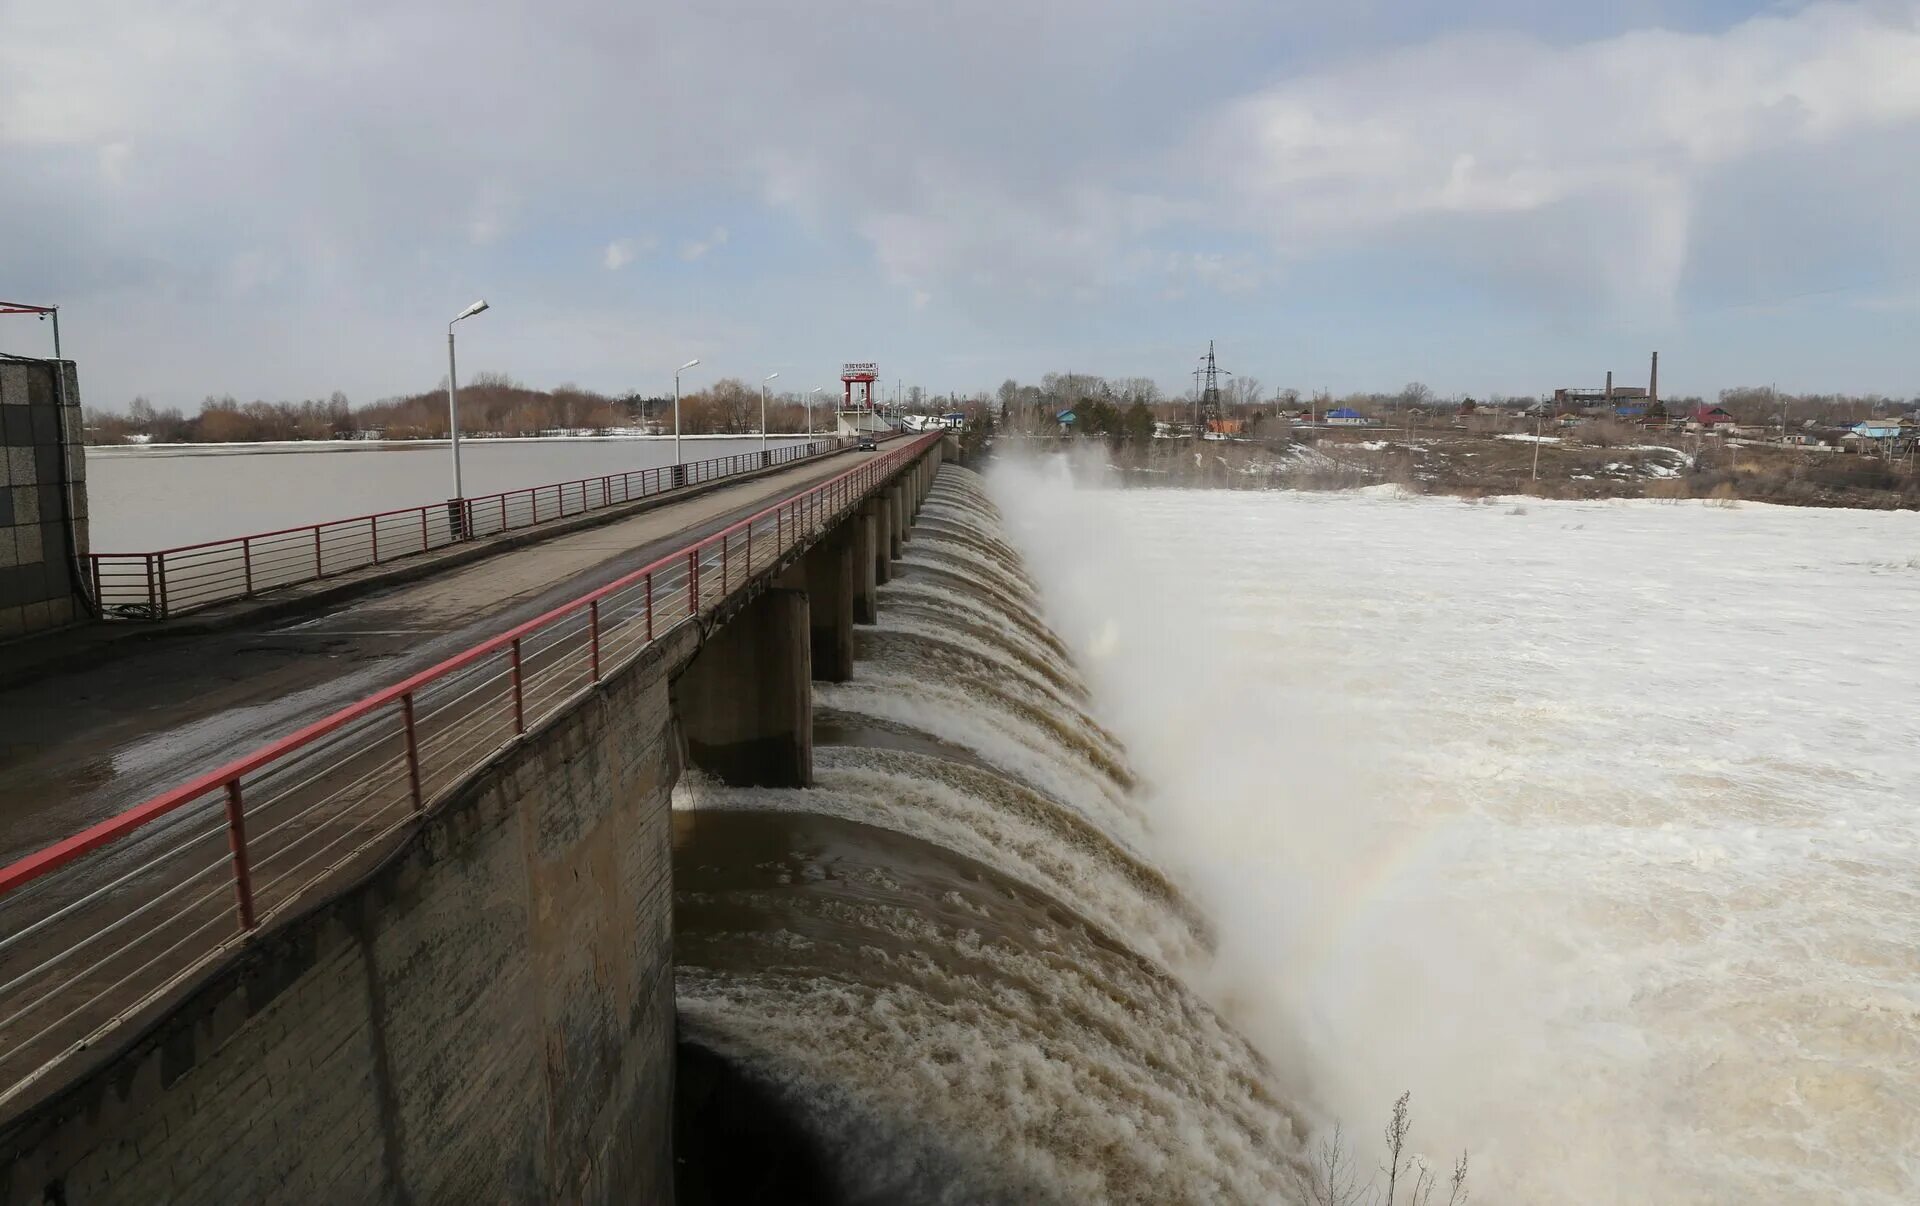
[1595,825]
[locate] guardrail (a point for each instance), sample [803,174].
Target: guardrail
[167,582]
[95,925]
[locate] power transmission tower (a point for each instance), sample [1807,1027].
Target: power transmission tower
[1210,394]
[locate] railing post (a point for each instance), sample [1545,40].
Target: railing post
[726,583]
[237,842]
[413,751]
[693,580]
[246,558]
[519,699]
[161,560]
[424,545]
[593,622]
[99,600]
[316,552]
[373,529]
[649,607]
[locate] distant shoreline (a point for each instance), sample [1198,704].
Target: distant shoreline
[280,446]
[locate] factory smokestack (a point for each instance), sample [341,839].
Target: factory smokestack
[1653,381]
[1609,387]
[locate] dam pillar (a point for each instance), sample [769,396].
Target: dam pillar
[882,539]
[866,607]
[828,567]
[897,529]
[745,702]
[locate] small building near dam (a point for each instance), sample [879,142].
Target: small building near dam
[43,497]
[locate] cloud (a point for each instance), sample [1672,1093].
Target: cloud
[1577,163]
[695,249]
[621,252]
[1118,162]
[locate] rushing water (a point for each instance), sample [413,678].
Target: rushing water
[952,959]
[1595,825]
[144,498]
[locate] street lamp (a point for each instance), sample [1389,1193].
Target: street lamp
[676,411]
[453,408]
[42,312]
[810,394]
[763,409]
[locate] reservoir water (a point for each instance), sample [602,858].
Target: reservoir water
[145,498]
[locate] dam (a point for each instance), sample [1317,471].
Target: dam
[836,869]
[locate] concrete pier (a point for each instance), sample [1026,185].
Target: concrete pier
[884,547]
[745,702]
[866,603]
[830,606]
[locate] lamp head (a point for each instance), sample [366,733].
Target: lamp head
[470,311]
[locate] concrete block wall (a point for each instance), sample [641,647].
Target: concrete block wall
[44,465]
[486,1016]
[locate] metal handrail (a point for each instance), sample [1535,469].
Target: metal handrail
[325,795]
[163,582]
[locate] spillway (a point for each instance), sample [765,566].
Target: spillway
[947,972]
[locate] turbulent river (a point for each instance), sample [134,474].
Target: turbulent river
[1592,825]
[951,957]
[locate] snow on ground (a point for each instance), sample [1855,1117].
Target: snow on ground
[1594,824]
[1524,438]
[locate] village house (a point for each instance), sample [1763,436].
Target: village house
[1715,420]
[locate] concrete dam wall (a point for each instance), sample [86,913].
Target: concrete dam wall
[838,896]
[487,1016]
[486,1011]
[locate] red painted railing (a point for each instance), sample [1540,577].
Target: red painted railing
[95,925]
[166,582]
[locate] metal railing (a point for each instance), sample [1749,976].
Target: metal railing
[95,925]
[168,582]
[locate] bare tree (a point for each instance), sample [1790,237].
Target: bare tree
[1398,1124]
[1332,1180]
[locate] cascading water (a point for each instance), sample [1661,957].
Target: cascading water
[948,962]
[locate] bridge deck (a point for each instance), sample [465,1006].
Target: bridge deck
[82,746]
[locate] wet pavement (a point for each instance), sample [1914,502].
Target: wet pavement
[78,747]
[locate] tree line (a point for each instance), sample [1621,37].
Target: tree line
[1115,408]
[490,405]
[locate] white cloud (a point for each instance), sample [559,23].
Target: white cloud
[1583,162]
[622,252]
[694,249]
[344,145]
[113,161]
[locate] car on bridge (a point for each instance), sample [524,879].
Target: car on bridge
[866,444]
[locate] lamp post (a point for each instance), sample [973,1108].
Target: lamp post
[453,414]
[763,409]
[676,409]
[810,394]
[43,313]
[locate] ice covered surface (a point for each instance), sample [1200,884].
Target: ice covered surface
[1596,825]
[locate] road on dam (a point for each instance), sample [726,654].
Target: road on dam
[84,745]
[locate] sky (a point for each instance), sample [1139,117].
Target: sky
[1490,196]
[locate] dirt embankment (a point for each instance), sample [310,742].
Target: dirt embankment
[1604,464]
